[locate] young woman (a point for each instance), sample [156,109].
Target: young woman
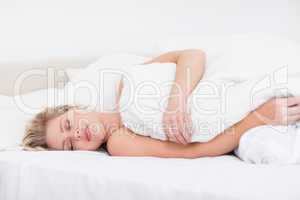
[75,128]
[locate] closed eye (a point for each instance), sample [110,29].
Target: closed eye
[67,124]
[72,145]
[68,144]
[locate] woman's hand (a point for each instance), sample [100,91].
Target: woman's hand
[190,65]
[177,122]
[279,111]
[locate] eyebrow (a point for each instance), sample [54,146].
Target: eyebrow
[61,130]
[60,126]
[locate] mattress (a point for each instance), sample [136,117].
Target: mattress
[95,175]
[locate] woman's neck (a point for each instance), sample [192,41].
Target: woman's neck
[111,123]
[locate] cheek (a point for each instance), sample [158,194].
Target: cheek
[81,123]
[97,130]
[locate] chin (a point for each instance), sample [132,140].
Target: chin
[90,147]
[87,149]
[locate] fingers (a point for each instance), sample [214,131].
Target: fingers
[174,131]
[182,130]
[294,110]
[287,110]
[185,128]
[293,119]
[179,137]
[293,114]
[189,125]
[171,136]
[177,128]
[168,131]
[292,101]
[279,111]
[171,131]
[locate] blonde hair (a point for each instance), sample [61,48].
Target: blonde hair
[35,133]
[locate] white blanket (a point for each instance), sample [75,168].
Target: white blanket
[270,145]
[249,74]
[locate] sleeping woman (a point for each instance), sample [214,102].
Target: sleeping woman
[77,128]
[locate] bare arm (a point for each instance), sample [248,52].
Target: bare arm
[125,143]
[190,66]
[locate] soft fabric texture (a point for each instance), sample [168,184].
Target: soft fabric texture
[270,145]
[96,85]
[213,45]
[214,104]
[17,111]
[11,119]
[244,55]
[93,175]
[255,69]
[252,55]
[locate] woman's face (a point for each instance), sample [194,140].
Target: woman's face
[75,130]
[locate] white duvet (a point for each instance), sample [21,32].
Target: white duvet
[244,77]
[270,145]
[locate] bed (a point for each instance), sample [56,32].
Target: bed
[47,37]
[95,175]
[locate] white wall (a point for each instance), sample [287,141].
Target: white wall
[41,33]
[33,29]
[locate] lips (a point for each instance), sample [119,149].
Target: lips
[87,133]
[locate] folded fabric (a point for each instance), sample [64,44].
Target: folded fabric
[215,105]
[270,145]
[96,85]
[219,100]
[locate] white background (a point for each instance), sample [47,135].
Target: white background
[37,29]
[72,33]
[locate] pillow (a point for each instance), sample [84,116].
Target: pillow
[12,127]
[85,87]
[33,102]
[256,54]
[213,45]
[235,51]
[107,61]
[17,111]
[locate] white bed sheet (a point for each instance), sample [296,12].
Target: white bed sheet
[93,175]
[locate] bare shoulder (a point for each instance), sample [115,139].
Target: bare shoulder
[124,142]
[120,141]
